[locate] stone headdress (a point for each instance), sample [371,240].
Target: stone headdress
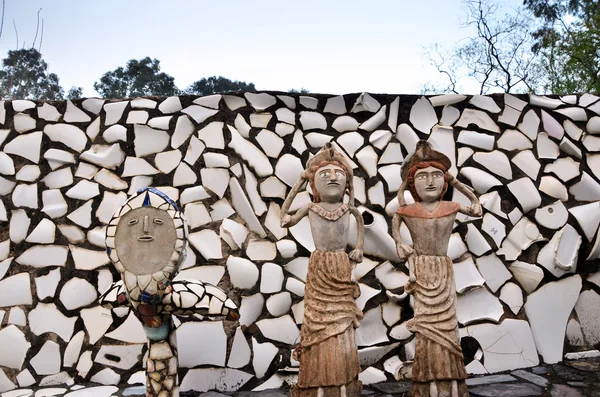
[423,156]
[329,155]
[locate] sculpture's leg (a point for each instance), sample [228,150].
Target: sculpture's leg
[433,391]
[161,369]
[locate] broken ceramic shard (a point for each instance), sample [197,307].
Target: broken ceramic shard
[520,238]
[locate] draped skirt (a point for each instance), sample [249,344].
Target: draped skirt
[329,354]
[438,355]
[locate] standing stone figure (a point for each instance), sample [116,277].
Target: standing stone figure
[438,369]
[328,354]
[146,242]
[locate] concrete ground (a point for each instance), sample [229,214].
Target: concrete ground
[575,378]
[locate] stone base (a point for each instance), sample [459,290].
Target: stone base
[444,389]
[353,389]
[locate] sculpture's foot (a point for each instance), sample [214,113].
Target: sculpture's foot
[352,389]
[440,388]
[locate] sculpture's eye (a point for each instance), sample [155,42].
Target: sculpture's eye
[340,173]
[132,222]
[438,175]
[158,221]
[324,174]
[422,176]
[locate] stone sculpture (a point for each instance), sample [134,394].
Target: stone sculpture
[328,354]
[438,368]
[146,241]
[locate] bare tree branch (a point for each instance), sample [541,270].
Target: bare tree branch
[41,36]
[2,22]
[37,28]
[16,32]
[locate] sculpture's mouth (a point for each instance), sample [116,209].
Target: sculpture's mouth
[333,183]
[431,188]
[146,237]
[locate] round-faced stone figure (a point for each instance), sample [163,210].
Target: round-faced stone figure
[145,240]
[330,183]
[429,184]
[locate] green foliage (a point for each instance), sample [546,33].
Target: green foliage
[214,85]
[75,93]
[24,75]
[300,91]
[138,78]
[568,42]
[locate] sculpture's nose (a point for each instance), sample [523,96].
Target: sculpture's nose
[145,227]
[333,176]
[429,179]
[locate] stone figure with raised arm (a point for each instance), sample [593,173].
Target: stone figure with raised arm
[146,242]
[438,369]
[328,353]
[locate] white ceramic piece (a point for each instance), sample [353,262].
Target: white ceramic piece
[449,115]
[514,140]
[526,194]
[240,350]
[506,346]
[527,274]
[374,121]
[476,305]
[496,162]
[485,103]
[480,180]
[372,330]
[476,139]
[520,237]
[312,121]
[407,137]
[466,276]
[271,143]
[260,101]
[26,145]
[527,162]
[588,217]
[207,243]
[479,118]
[553,216]
[587,189]
[255,158]
[548,326]
[199,113]
[422,115]
[106,156]
[208,350]
[512,296]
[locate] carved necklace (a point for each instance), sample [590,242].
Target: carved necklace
[329,215]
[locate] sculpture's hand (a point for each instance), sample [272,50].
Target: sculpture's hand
[356,255]
[404,251]
[286,220]
[475,209]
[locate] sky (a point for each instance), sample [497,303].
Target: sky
[324,46]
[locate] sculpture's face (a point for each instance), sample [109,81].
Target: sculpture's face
[330,182]
[429,184]
[145,240]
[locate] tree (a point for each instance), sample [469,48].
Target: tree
[220,84]
[138,78]
[568,42]
[24,75]
[498,57]
[75,93]
[300,91]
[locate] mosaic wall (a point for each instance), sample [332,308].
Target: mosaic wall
[526,271]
